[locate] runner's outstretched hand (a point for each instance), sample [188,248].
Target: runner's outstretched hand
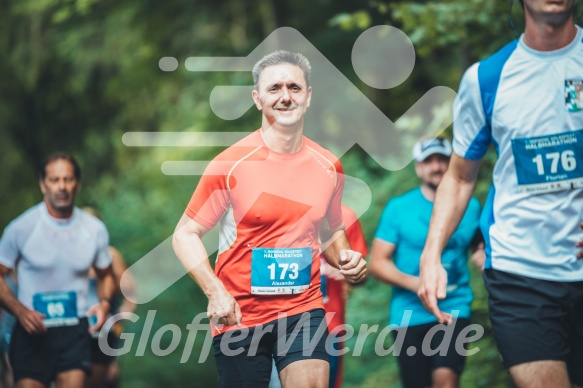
[432,286]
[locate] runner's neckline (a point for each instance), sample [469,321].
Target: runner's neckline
[60,222]
[553,54]
[281,155]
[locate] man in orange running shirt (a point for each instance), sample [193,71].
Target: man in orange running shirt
[275,194]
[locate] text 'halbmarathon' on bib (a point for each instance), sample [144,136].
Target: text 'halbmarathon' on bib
[59,308]
[276,271]
[549,163]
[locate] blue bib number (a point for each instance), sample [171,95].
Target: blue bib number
[59,308]
[280,270]
[549,163]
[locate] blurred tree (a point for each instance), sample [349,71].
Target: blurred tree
[79,74]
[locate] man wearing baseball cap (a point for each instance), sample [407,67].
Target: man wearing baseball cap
[396,251]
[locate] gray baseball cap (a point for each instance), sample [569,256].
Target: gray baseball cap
[427,147]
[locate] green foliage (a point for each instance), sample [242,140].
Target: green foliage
[79,74]
[360,20]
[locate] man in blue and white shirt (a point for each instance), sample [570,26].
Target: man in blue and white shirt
[526,100]
[52,246]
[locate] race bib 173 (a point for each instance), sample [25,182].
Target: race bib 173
[280,270]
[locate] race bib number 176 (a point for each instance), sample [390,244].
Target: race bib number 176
[549,163]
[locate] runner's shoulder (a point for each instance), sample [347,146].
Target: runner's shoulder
[250,148]
[90,221]
[328,156]
[26,221]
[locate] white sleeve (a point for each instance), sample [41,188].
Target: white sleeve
[471,131]
[9,251]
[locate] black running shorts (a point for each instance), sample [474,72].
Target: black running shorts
[415,366]
[535,320]
[244,357]
[42,356]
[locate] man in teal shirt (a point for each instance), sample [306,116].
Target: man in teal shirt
[396,251]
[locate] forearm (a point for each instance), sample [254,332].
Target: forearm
[8,301]
[451,201]
[192,254]
[333,246]
[386,271]
[106,288]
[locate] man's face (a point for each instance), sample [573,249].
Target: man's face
[282,94]
[550,11]
[431,170]
[59,186]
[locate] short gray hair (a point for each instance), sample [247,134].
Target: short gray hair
[279,57]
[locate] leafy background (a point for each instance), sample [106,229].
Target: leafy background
[78,74]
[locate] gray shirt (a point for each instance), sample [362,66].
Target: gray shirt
[54,254]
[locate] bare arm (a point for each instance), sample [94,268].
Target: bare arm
[105,289]
[339,254]
[188,246]
[7,298]
[30,320]
[383,267]
[127,286]
[452,198]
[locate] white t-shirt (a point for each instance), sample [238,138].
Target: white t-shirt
[53,254]
[529,105]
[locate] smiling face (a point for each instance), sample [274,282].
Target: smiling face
[59,187]
[282,95]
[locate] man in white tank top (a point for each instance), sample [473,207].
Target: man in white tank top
[52,245]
